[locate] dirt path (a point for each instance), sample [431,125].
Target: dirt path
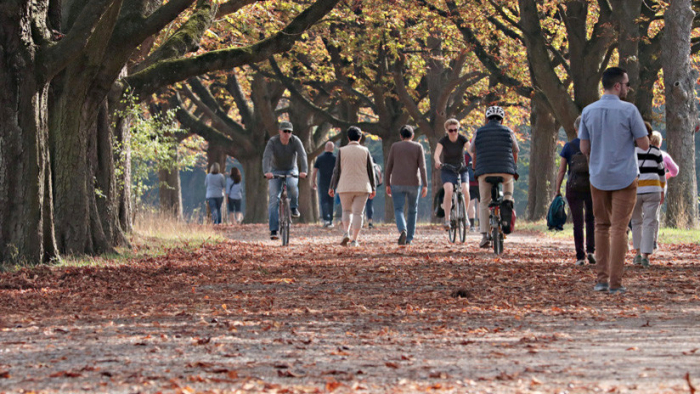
[251,316]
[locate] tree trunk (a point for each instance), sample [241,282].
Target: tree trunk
[122,161]
[170,193]
[106,181]
[255,191]
[307,199]
[543,139]
[627,13]
[73,141]
[681,114]
[25,180]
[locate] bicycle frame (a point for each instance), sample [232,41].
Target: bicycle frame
[458,213]
[496,228]
[284,209]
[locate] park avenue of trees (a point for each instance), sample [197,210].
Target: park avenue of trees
[229,70]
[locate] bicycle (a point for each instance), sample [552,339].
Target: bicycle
[284,209]
[458,212]
[496,234]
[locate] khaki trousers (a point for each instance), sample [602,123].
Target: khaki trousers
[353,208]
[612,210]
[485,194]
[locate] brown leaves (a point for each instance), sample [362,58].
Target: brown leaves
[690,384]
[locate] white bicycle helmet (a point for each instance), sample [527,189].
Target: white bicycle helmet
[495,111]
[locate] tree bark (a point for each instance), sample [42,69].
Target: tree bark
[255,191]
[170,192]
[681,114]
[25,182]
[627,13]
[543,140]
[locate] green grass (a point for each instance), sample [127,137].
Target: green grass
[666,235]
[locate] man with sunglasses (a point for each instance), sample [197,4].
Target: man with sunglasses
[495,153]
[608,131]
[280,158]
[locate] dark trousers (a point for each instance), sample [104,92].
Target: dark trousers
[326,203]
[369,208]
[577,202]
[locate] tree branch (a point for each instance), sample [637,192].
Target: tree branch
[170,71]
[233,87]
[54,58]
[371,127]
[233,6]
[208,99]
[191,123]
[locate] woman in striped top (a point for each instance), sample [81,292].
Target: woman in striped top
[650,196]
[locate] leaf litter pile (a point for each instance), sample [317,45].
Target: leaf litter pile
[248,315]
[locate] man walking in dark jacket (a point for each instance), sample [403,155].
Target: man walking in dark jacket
[324,165]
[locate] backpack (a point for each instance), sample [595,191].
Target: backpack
[378,177]
[579,178]
[556,216]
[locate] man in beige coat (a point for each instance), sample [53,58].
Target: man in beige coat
[353,180]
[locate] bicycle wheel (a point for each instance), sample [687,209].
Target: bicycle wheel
[454,215]
[462,219]
[285,219]
[497,239]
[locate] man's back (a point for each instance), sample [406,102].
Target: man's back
[405,164]
[612,125]
[325,163]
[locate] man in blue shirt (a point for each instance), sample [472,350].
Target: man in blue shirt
[325,163]
[609,129]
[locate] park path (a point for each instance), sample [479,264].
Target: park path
[248,315]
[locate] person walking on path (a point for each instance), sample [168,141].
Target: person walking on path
[353,180]
[578,195]
[324,165]
[404,174]
[280,158]
[609,129]
[215,183]
[234,195]
[450,150]
[495,153]
[650,197]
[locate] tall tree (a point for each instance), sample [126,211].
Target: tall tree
[680,79]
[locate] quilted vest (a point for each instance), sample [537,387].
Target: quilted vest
[494,150]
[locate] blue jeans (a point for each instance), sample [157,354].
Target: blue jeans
[326,203]
[399,194]
[215,208]
[274,196]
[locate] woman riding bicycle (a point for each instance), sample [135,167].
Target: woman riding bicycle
[495,152]
[450,150]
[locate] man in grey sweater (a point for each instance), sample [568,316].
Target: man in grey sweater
[405,164]
[280,158]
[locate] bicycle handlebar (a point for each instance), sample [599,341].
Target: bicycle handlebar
[455,169]
[280,176]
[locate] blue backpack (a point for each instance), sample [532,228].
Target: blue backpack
[556,216]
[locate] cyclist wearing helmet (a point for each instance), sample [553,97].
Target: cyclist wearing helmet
[495,153]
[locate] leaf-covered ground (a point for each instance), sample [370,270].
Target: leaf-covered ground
[250,316]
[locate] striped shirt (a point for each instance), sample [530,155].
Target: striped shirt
[652,172]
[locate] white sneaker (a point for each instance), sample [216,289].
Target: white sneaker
[580,262]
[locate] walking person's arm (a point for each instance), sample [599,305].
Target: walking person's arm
[388,169]
[336,176]
[423,172]
[560,175]
[370,175]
